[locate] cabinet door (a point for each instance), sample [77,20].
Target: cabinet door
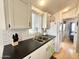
[18,13]
[50,49]
[34,55]
[43,52]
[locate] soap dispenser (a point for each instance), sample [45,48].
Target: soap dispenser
[15,39]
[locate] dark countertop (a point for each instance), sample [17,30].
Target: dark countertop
[22,50]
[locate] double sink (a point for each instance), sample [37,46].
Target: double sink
[42,39]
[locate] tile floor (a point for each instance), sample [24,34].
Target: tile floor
[67,51]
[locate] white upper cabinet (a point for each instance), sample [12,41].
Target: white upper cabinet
[18,14]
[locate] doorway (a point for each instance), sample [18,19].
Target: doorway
[70,29]
[69,35]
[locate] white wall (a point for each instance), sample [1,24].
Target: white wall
[54,30]
[70,14]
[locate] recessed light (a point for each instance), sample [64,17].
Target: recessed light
[42,2]
[65,10]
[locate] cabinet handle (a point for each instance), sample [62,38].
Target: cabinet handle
[30,24]
[29,57]
[9,25]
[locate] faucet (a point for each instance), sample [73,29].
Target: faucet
[44,31]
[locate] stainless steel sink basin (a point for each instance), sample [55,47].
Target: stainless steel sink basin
[41,39]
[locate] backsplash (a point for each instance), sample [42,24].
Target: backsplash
[7,35]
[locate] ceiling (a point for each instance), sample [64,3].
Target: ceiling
[53,6]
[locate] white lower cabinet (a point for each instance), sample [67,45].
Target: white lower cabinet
[34,55]
[44,52]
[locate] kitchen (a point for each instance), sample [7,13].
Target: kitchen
[37,28]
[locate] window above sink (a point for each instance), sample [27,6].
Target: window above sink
[36,23]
